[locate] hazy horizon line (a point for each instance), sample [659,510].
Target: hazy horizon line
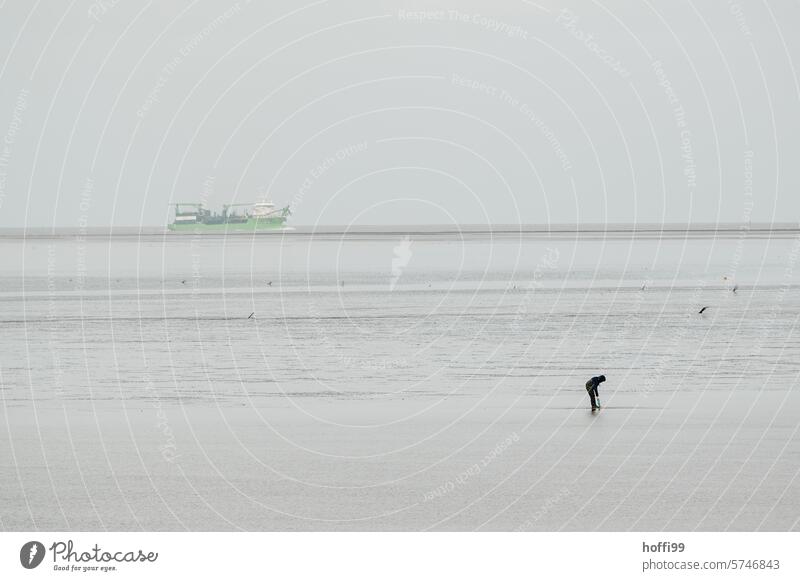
[593,228]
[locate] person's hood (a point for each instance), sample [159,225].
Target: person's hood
[602,378]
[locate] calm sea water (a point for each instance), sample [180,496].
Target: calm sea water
[399,382]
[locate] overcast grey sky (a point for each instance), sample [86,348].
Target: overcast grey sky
[385,112]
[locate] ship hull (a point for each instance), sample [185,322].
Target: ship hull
[251,225]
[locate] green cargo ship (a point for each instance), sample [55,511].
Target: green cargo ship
[194,217]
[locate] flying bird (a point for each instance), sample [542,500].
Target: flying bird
[269,283]
[251,315]
[701,310]
[736,286]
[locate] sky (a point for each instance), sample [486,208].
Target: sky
[408,112]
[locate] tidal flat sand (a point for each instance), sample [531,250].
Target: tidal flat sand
[421,383]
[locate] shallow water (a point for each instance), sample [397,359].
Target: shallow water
[393,383]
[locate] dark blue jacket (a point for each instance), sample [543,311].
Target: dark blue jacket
[592,384]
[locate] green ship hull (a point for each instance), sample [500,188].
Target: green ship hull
[194,217]
[252,224]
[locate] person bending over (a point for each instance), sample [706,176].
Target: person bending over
[591,387]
